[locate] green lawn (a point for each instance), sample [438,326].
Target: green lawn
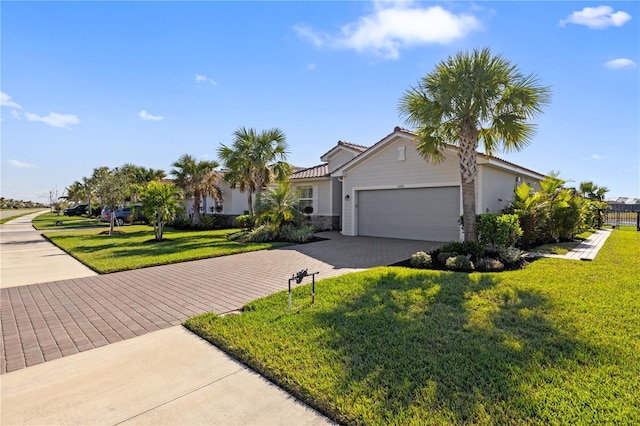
[555,343]
[48,221]
[136,248]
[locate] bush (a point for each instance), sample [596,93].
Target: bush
[474,249]
[262,234]
[459,263]
[420,260]
[245,221]
[501,229]
[513,257]
[442,256]
[488,264]
[296,235]
[207,222]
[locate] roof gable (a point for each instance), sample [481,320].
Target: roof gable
[341,146]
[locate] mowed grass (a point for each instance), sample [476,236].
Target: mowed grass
[48,221]
[555,343]
[136,247]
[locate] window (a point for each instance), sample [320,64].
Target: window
[305,197]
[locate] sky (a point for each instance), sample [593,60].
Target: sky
[90,84]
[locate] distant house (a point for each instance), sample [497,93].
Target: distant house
[624,204]
[389,190]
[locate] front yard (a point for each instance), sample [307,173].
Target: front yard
[555,343]
[136,248]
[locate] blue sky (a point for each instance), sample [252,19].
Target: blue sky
[89,84]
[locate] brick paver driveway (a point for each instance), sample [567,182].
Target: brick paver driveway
[41,322]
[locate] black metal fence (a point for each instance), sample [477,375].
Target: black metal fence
[618,218]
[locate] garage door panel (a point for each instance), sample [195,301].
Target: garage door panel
[412,213]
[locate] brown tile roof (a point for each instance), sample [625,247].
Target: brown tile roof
[357,147]
[319,171]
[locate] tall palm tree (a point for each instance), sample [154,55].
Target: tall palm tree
[592,191]
[197,179]
[254,160]
[468,98]
[278,205]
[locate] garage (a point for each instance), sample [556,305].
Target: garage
[429,214]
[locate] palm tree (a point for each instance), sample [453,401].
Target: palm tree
[197,179]
[76,191]
[592,191]
[254,160]
[277,205]
[472,97]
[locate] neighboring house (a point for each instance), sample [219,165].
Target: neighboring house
[389,190]
[624,204]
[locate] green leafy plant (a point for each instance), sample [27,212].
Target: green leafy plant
[488,264]
[263,233]
[245,221]
[501,229]
[294,234]
[421,260]
[459,263]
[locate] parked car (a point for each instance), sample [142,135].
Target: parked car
[124,215]
[78,210]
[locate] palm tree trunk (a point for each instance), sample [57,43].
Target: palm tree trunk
[250,202]
[468,173]
[196,207]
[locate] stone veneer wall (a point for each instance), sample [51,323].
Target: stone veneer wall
[326,223]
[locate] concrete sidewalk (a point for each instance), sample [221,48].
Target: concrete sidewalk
[169,377]
[166,377]
[26,257]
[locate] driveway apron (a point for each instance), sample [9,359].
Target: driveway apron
[45,321]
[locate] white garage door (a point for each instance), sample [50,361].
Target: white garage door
[429,214]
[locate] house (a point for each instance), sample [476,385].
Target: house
[389,190]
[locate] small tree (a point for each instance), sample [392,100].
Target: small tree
[277,205]
[160,203]
[113,188]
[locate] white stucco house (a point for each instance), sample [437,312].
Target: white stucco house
[389,190]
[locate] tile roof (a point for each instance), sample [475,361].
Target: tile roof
[357,147]
[321,170]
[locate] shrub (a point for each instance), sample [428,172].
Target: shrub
[459,263]
[488,264]
[501,229]
[207,221]
[444,255]
[474,249]
[513,257]
[245,221]
[262,234]
[297,235]
[420,260]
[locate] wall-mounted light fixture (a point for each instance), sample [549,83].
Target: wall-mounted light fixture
[346,197]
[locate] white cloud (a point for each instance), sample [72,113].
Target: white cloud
[22,164]
[597,18]
[146,116]
[620,63]
[5,100]
[311,67]
[54,119]
[595,157]
[204,79]
[16,114]
[394,26]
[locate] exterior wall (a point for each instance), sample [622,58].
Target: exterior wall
[234,202]
[496,186]
[385,170]
[321,195]
[339,159]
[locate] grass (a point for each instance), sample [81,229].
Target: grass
[48,221]
[564,247]
[555,343]
[136,247]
